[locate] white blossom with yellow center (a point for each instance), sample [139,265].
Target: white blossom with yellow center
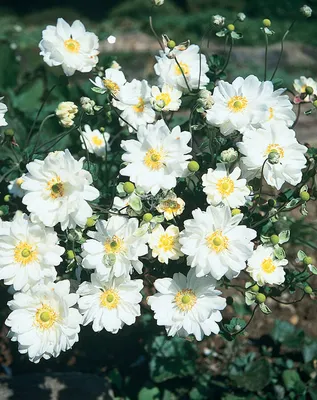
[187,305]
[302,83]
[224,188]
[115,247]
[171,206]
[186,68]
[215,243]
[239,105]
[94,141]
[165,243]
[157,158]
[44,321]
[29,253]
[258,145]
[166,99]
[14,187]
[134,102]
[110,304]
[57,190]
[69,46]
[264,268]
[112,81]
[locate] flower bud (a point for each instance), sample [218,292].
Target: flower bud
[309,90]
[171,44]
[315,103]
[193,166]
[90,222]
[308,289]
[7,198]
[274,157]
[87,105]
[66,112]
[241,16]
[305,196]
[274,239]
[205,99]
[267,22]
[306,11]
[70,255]
[271,203]
[128,187]
[158,2]
[260,298]
[229,155]
[307,260]
[218,20]
[235,211]
[147,217]
[231,27]
[255,288]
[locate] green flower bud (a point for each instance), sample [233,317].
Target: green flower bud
[90,222]
[273,157]
[193,166]
[315,103]
[7,198]
[309,90]
[260,298]
[255,288]
[305,196]
[1,213]
[70,255]
[9,132]
[171,44]
[231,27]
[235,211]
[128,187]
[308,260]
[308,289]
[147,217]
[229,300]
[274,239]
[266,22]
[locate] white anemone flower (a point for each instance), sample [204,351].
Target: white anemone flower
[187,305]
[14,187]
[171,206]
[186,69]
[215,243]
[43,320]
[277,147]
[165,99]
[112,81]
[265,268]
[28,253]
[95,141]
[157,158]
[302,83]
[115,247]
[69,46]
[3,110]
[110,304]
[134,102]
[165,243]
[224,188]
[57,190]
[237,105]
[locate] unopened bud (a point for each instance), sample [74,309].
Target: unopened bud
[274,157]
[306,11]
[241,16]
[231,27]
[267,22]
[158,2]
[229,155]
[218,20]
[87,105]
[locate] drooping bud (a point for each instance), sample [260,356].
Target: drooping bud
[218,20]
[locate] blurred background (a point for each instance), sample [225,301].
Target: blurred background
[277,358]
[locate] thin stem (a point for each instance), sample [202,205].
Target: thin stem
[265,58]
[181,69]
[119,116]
[260,191]
[282,49]
[38,133]
[9,172]
[297,115]
[291,302]
[228,57]
[155,34]
[248,323]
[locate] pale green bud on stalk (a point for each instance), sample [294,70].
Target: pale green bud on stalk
[218,20]
[87,105]
[158,2]
[241,17]
[274,157]
[229,155]
[205,99]
[306,11]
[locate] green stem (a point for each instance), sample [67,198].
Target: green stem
[181,69]
[248,323]
[291,302]
[265,58]
[38,133]
[228,57]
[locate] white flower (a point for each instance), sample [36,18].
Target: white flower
[265,268]
[3,110]
[157,158]
[215,243]
[15,187]
[134,101]
[280,109]
[112,81]
[28,253]
[43,320]
[224,188]
[218,20]
[183,63]
[302,83]
[57,190]
[165,243]
[187,305]
[241,16]
[95,141]
[237,105]
[66,112]
[115,247]
[110,304]
[278,141]
[115,65]
[167,99]
[171,206]
[69,46]
[306,11]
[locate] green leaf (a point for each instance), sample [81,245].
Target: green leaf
[292,380]
[301,255]
[235,325]
[256,378]
[135,203]
[152,393]
[287,334]
[309,350]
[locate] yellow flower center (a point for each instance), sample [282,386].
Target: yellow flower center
[56,187]
[185,299]
[217,241]
[25,253]
[72,46]
[139,107]
[271,111]
[19,181]
[225,186]
[181,66]
[97,140]
[170,206]
[274,147]
[109,299]
[165,97]
[45,317]
[112,86]
[268,266]
[166,242]
[113,245]
[303,88]
[153,159]
[237,103]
